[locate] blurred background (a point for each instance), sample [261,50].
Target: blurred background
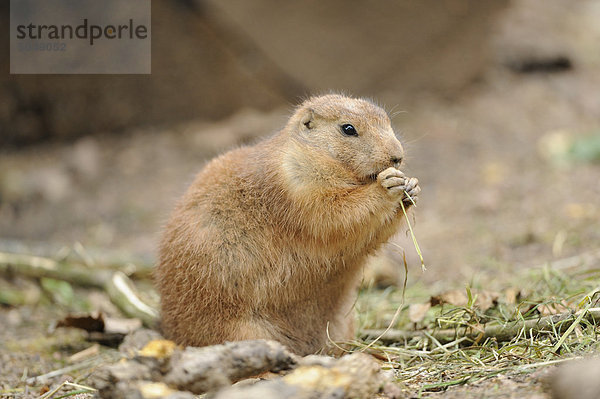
[497,103]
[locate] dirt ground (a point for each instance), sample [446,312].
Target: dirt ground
[494,199]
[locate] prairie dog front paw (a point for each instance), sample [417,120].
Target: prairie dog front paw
[398,186]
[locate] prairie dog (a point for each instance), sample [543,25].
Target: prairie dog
[269,240]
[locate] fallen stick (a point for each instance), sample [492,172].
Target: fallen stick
[44,378]
[501,332]
[178,372]
[39,267]
[356,375]
[122,292]
[117,285]
[197,370]
[133,265]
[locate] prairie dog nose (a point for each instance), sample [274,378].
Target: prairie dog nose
[396,160]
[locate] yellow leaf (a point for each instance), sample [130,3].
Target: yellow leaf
[158,348]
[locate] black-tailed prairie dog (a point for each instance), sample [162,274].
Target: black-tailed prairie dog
[269,240]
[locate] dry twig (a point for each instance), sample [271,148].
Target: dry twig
[119,287]
[500,332]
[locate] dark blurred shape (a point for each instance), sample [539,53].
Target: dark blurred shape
[211,58]
[548,65]
[85,322]
[194,75]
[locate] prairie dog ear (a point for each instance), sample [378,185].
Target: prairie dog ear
[308,119]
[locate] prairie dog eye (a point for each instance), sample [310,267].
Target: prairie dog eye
[349,130]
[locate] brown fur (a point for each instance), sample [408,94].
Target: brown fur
[269,240]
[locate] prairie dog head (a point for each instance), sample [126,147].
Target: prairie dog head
[354,132]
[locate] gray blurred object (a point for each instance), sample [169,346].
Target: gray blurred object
[369,46]
[213,57]
[576,380]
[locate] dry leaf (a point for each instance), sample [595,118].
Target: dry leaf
[417,311]
[581,210]
[154,390]
[494,173]
[454,297]
[553,308]
[158,348]
[483,299]
[511,295]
